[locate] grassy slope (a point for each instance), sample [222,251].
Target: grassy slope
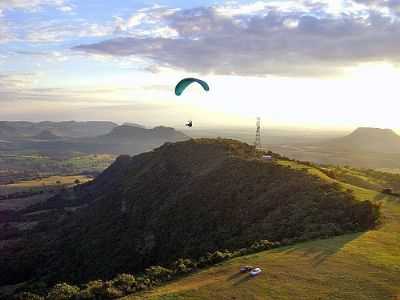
[355,266]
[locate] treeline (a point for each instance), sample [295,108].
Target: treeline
[20,195]
[126,284]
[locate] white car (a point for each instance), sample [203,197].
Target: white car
[255,272]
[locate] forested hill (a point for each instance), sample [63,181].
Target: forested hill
[184,200]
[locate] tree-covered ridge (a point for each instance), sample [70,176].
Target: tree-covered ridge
[184,200]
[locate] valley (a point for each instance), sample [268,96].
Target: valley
[320,241]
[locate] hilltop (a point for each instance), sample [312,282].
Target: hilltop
[368,140]
[365,147]
[184,200]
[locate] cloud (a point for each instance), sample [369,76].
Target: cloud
[15,81]
[47,56]
[289,42]
[30,4]
[57,31]
[147,22]
[6,35]
[391,5]
[25,87]
[65,8]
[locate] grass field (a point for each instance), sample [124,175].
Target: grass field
[18,166]
[355,266]
[40,183]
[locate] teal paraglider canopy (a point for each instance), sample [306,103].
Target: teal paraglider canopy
[184,83]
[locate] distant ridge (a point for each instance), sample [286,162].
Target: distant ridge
[131,132]
[133,125]
[23,129]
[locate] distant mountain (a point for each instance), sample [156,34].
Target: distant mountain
[367,140]
[22,129]
[46,135]
[119,140]
[78,129]
[182,200]
[130,140]
[128,132]
[133,124]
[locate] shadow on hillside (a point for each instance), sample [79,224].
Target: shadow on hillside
[239,278]
[235,276]
[321,250]
[379,197]
[245,278]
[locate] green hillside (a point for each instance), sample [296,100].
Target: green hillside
[354,266]
[183,200]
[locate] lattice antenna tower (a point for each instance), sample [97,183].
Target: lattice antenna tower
[257,142]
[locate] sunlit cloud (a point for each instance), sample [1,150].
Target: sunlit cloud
[295,43]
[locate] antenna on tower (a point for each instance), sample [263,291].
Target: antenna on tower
[257,143]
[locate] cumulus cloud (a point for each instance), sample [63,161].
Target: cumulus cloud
[147,22]
[391,6]
[302,41]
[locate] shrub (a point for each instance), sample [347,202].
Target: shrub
[218,257]
[182,266]
[158,273]
[261,246]
[91,290]
[27,296]
[63,291]
[125,282]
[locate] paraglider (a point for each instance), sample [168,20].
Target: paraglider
[184,83]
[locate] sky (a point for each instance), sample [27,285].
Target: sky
[305,63]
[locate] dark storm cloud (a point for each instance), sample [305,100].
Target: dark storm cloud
[281,43]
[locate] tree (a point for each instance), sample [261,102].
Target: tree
[125,282]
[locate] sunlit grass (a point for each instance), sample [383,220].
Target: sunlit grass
[47,182]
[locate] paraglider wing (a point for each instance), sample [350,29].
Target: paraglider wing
[184,83]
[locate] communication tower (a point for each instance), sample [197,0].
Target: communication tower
[257,143]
